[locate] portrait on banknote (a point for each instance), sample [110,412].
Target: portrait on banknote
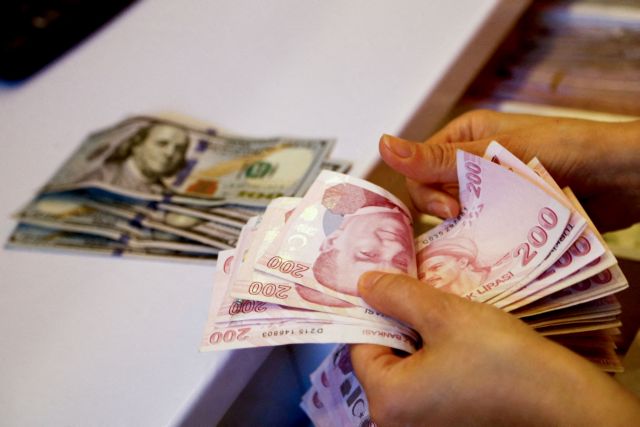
[451,265]
[156,159]
[141,161]
[364,231]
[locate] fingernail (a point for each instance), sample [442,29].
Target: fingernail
[399,147]
[369,279]
[440,209]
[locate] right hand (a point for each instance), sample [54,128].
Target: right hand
[479,366]
[599,161]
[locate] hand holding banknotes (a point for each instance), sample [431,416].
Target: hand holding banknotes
[479,363]
[599,161]
[502,373]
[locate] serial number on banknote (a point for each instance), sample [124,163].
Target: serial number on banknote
[300,331]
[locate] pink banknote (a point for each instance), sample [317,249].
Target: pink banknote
[578,255]
[286,331]
[578,246]
[607,282]
[580,261]
[229,334]
[574,229]
[344,227]
[507,228]
[337,398]
[313,404]
[255,295]
[604,309]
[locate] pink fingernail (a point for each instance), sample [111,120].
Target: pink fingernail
[399,147]
[440,209]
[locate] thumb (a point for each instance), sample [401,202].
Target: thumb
[426,309]
[426,163]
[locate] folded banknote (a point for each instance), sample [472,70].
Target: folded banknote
[519,239]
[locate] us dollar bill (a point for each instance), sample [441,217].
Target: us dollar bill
[154,159]
[75,213]
[26,236]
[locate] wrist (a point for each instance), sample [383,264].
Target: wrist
[578,393]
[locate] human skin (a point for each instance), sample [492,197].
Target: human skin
[599,161]
[161,151]
[479,366]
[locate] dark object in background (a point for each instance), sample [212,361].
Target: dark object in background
[34,33]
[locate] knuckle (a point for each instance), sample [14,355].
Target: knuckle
[478,122]
[438,155]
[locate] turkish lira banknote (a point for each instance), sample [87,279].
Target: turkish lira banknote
[519,240]
[336,397]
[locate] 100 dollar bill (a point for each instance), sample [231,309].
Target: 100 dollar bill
[155,159]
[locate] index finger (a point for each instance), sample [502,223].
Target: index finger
[426,163]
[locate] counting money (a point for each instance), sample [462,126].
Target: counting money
[260,296]
[223,332]
[520,243]
[506,229]
[343,227]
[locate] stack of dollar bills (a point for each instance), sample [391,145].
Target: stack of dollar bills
[148,187]
[521,243]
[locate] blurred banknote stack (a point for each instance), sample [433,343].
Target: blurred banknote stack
[577,54]
[148,187]
[521,243]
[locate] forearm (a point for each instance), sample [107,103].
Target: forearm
[621,163]
[603,168]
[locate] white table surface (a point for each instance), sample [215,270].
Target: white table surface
[87,340]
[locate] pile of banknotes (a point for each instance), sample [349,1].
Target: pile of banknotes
[336,398]
[521,243]
[578,54]
[148,187]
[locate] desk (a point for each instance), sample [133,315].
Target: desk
[89,340]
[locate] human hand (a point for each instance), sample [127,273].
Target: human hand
[599,161]
[478,366]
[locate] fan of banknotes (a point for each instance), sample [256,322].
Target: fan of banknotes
[148,187]
[521,243]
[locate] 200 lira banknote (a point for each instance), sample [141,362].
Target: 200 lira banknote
[301,261]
